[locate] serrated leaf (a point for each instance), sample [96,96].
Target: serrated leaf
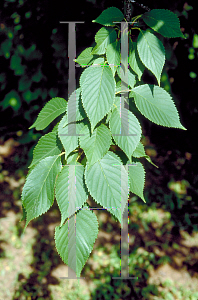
[85,57]
[74,101]
[48,145]
[103,38]
[151,52]
[38,190]
[137,179]
[109,15]
[140,152]
[134,60]
[83,241]
[55,107]
[96,145]
[70,190]
[163,21]
[113,55]
[69,138]
[156,105]
[98,93]
[110,185]
[125,126]
[84,75]
[131,77]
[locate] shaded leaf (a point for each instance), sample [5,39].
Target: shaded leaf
[109,15]
[38,190]
[163,21]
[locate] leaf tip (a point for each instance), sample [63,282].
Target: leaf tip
[144,200]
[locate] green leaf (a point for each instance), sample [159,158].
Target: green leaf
[156,105]
[96,145]
[137,179]
[131,77]
[38,190]
[109,15]
[118,88]
[98,61]
[163,21]
[70,142]
[71,159]
[134,60]
[140,152]
[70,190]
[48,145]
[113,55]
[107,182]
[86,234]
[151,52]
[24,216]
[55,107]
[77,114]
[103,38]
[130,125]
[85,57]
[98,92]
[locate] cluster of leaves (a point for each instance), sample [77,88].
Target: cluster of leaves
[78,158]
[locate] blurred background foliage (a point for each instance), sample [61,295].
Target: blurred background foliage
[33,69]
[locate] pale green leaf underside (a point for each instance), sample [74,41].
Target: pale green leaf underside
[98,92]
[96,145]
[48,145]
[156,105]
[163,21]
[53,108]
[69,138]
[107,182]
[151,52]
[70,190]
[81,243]
[134,60]
[113,55]
[137,179]
[109,15]
[75,110]
[38,191]
[130,125]
[103,38]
